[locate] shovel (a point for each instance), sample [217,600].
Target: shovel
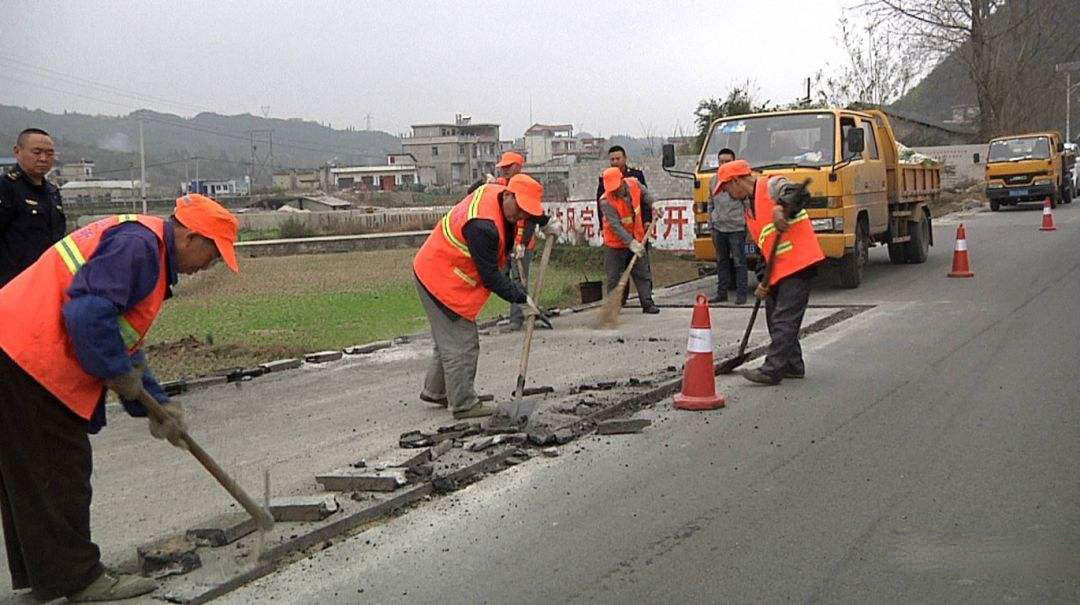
[729,366]
[517,412]
[261,515]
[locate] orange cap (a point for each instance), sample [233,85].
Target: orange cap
[528,193]
[612,179]
[729,171]
[510,158]
[209,219]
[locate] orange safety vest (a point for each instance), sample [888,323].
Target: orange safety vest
[444,264]
[629,215]
[32,329]
[799,248]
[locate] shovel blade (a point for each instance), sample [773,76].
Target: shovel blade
[729,366]
[511,416]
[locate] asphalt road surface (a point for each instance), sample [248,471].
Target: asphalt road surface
[930,455]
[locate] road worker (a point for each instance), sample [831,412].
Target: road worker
[774,213]
[623,205]
[31,211]
[71,326]
[510,164]
[460,264]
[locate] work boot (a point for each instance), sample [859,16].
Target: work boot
[112,586]
[789,373]
[756,375]
[650,309]
[740,299]
[719,298]
[439,401]
[477,411]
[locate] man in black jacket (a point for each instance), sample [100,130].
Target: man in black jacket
[617,158]
[31,212]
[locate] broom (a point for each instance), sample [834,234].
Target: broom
[609,312]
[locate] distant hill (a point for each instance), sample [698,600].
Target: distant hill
[1038,100]
[222,142]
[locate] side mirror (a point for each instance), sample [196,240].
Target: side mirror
[856,141]
[669,155]
[975,158]
[1061,147]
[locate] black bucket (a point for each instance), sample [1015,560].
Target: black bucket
[591,291]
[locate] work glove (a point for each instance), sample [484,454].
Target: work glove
[553,228]
[172,426]
[490,178]
[519,251]
[637,248]
[128,386]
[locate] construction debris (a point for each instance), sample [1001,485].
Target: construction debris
[363,480]
[370,347]
[206,381]
[303,508]
[323,356]
[170,556]
[550,452]
[280,365]
[618,427]
[224,529]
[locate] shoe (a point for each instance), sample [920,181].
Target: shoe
[740,299]
[793,374]
[760,377]
[515,326]
[650,309]
[441,401]
[477,411]
[111,586]
[719,298]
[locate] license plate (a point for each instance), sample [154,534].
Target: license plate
[751,249]
[1018,192]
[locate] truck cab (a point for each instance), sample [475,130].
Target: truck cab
[1028,168]
[860,194]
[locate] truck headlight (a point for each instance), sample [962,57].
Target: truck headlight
[822,224]
[994,185]
[1042,181]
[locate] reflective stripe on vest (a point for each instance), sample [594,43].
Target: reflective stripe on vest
[629,211]
[799,247]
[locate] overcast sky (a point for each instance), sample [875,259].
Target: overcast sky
[608,68]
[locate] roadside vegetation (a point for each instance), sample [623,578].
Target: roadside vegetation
[290,305]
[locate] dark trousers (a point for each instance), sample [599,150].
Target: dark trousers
[785,307]
[45,466]
[615,262]
[730,249]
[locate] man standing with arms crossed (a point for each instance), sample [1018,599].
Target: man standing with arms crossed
[776,217]
[727,221]
[71,326]
[31,211]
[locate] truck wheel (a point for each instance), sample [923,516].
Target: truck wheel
[994,206]
[853,263]
[898,253]
[918,247]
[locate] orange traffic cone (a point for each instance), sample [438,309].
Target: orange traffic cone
[960,266]
[1048,218]
[699,376]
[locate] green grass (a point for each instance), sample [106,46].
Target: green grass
[287,306]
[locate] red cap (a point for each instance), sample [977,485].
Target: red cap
[528,193]
[510,158]
[209,219]
[728,172]
[612,179]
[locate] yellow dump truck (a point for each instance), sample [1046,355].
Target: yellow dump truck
[1028,168]
[862,195]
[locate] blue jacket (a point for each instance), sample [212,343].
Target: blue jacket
[123,270]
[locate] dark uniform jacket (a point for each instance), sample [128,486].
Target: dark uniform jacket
[646,213]
[31,220]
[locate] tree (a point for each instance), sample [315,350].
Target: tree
[741,99]
[879,67]
[993,39]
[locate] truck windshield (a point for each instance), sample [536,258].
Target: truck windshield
[782,140]
[1009,150]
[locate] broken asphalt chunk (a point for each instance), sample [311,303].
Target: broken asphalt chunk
[370,347]
[224,529]
[415,439]
[322,356]
[550,452]
[622,426]
[362,480]
[170,556]
[303,508]
[280,365]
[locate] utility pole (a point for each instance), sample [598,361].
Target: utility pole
[368,118]
[131,178]
[142,166]
[1068,68]
[196,168]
